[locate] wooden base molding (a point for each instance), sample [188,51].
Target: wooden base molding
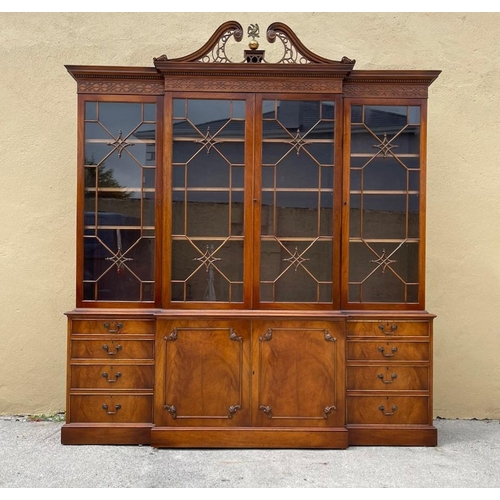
[359,435]
[278,437]
[106,433]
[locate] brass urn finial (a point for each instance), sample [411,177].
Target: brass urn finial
[253,32]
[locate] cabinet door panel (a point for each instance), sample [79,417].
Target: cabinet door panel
[203,373]
[298,378]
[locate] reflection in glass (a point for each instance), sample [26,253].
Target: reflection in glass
[207,210]
[297,201]
[119,188]
[384,204]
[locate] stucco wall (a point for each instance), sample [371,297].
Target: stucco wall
[38,182]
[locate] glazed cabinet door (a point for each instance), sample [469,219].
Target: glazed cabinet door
[384,160]
[202,373]
[118,159]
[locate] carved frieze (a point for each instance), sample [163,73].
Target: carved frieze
[381,90]
[314,85]
[119,87]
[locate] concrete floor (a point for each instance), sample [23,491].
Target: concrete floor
[31,456]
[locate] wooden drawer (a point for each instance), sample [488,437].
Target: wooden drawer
[112,349]
[387,351]
[388,410]
[388,378]
[111,409]
[113,326]
[112,377]
[387,328]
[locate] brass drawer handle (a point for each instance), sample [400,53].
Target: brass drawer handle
[115,330]
[390,331]
[388,414]
[117,407]
[110,381]
[394,350]
[381,377]
[112,353]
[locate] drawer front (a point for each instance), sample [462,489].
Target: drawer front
[388,410]
[112,349]
[387,328]
[388,351]
[111,409]
[112,377]
[389,378]
[113,326]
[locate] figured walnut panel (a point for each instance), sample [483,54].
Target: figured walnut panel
[112,377]
[103,408]
[112,349]
[388,351]
[113,326]
[388,410]
[204,375]
[387,378]
[298,377]
[387,328]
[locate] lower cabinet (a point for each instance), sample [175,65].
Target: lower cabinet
[259,383]
[194,379]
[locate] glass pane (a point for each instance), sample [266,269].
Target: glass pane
[90,111]
[123,208]
[148,180]
[384,216]
[208,171]
[208,213]
[356,114]
[120,116]
[296,214]
[383,118]
[414,115]
[384,174]
[297,172]
[383,272]
[208,270]
[296,270]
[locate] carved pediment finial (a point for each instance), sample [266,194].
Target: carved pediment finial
[294,51]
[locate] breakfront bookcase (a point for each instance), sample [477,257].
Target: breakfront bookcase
[251,252]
